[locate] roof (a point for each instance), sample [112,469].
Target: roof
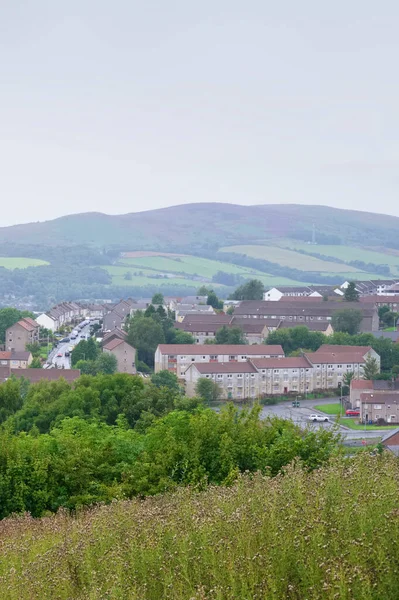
[238,367]
[379,397]
[30,322]
[208,318]
[310,307]
[206,349]
[334,358]
[115,333]
[361,384]
[22,323]
[112,344]
[298,362]
[35,375]
[389,434]
[24,355]
[337,349]
[379,299]
[5,355]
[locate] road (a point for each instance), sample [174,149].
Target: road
[300,416]
[64,362]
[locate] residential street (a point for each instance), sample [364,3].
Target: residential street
[64,362]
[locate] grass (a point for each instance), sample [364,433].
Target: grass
[346,253]
[354,424]
[21,263]
[290,258]
[329,409]
[330,534]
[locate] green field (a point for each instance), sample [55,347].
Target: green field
[190,265]
[329,409]
[21,263]
[346,253]
[118,278]
[290,258]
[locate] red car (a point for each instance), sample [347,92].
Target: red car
[352,412]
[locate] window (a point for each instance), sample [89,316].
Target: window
[252,375]
[243,357]
[213,357]
[239,375]
[229,376]
[276,370]
[220,376]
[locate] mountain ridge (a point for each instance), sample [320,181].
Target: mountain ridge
[207,224]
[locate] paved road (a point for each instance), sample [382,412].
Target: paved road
[300,416]
[64,362]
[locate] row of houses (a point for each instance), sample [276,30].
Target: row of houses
[365,288]
[204,327]
[306,311]
[377,401]
[36,375]
[253,371]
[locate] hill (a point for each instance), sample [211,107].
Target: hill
[209,225]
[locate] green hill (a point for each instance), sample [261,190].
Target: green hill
[209,225]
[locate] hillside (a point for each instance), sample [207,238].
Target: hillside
[212,225]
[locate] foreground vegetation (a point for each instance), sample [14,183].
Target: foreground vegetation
[329,534]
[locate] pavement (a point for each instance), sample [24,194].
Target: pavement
[64,362]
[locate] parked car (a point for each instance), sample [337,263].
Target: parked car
[352,412]
[59,354]
[65,340]
[318,418]
[66,354]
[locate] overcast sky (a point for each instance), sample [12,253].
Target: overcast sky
[129,105]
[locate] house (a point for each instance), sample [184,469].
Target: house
[236,380]
[177,357]
[380,300]
[379,407]
[25,331]
[61,314]
[183,310]
[36,375]
[283,375]
[125,355]
[95,311]
[360,386]
[16,360]
[306,311]
[274,294]
[390,441]
[113,320]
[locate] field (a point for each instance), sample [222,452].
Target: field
[347,253]
[331,534]
[21,263]
[182,270]
[330,409]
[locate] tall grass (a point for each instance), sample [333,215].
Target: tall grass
[332,534]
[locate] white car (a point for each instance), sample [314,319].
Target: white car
[318,418]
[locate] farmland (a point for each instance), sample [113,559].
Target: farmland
[21,263]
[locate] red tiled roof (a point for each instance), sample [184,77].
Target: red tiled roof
[361,384]
[31,322]
[238,367]
[113,344]
[5,355]
[26,325]
[35,375]
[297,362]
[336,349]
[207,349]
[334,358]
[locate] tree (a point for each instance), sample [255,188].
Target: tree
[181,337]
[34,349]
[252,290]
[389,318]
[127,276]
[227,335]
[106,363]
[214,301]
[382,310]
[166,379]
[351,294]
[347,320]
[347,378]
[207,389]
[370,369]
[203,291]
[144,334]
[157,298]
[230,310]
[36,363]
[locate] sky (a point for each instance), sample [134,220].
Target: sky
[126,106]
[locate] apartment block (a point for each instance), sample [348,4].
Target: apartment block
[178,357]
